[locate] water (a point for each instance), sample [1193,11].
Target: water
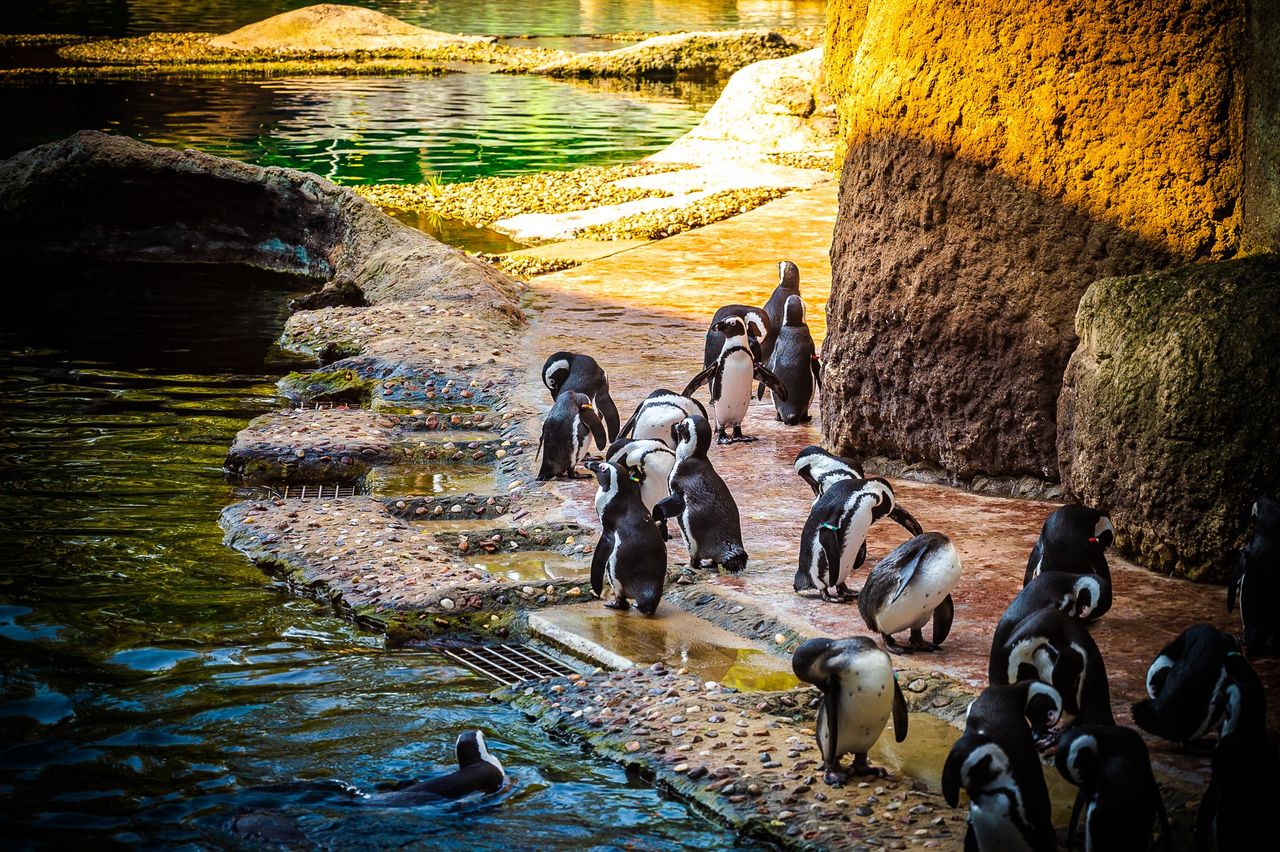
[153,684]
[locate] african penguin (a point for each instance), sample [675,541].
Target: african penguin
[758,329]
[1186,686]
[1118,791]
[650,462]
[630,554]
[788,285]
[572,371]
[656,416]
[1074,538]
[566,434]
[1078,595]
[795,363]
[910,587]
[731,378]
[833,543]
[1053,648]
[701,503]
[820,468]
[998,708]
[478,771]
[1256,584]
[859,693]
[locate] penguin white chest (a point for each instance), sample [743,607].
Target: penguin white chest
[992,821]
[735,389]
[866,701]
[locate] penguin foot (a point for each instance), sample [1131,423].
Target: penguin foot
[619,603]
[861,767]
[894,648]
[573,474]
[919,643]
[839,598]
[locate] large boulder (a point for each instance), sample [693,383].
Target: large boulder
[1170,409]
[998,159]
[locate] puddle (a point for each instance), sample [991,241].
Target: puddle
[416,403]
[422,480]
[531,565]
[456,232]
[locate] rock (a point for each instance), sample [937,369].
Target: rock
[446,603]
[1169,415]
[337,28]
[665,57]
[917,685]
[633,746]
[967,234]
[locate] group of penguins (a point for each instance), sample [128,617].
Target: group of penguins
[1048,688]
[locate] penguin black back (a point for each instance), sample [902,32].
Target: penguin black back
[1256,584]
[573,371]
[1074,538]
[1118,791]
[1079,596]
[478,771]
[795,362]
[630,554]
[701,502]
[1053,648]
[775,308]
[1186,685]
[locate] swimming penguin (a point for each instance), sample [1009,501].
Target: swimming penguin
[775,308]
[701,503]
[820,468]
[1235,812]
[1074,539]
[1053,648]
[656,416]
[1118,791]
[909,587]
[995,762]
[570,424]
[833,543]
[758,329]
[630,554]
[859,693]
[478,771]
[1077,595]
[731,377]
[1256,584]
[651,463]
[1186,685]
[795,363]
[572,371]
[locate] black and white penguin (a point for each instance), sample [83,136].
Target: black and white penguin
[631,554]
[656,416]
[795,363]
[573,371]
[788,285]
[1077,595]
[1053,648]
[995,762]
[833,543]
[566,434]
[859,693]
[732,376]
[1074,539]
[701,503]
[820,468]
[758,329]
[910,587]
[650,463]
[1039,705]
[1186,686]
[1118,791]
[478,771]
[1256,584]
[1235,813]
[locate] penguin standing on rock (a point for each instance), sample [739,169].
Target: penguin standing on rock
[859,693]
[731,377]
[566,435]
[1074,539]
[701,503]
[1077,595]
[795,363]
[572,371]
[1118,791]
[758,330]
[1256,584]
[1053,648]
[775,308]
[656,416]
[630,554]
[1186,685]
[909,587]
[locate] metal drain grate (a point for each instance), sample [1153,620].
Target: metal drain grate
[509,664]
[324,491]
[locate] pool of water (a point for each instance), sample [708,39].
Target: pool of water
[154,686]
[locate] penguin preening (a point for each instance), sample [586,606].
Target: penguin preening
[1186,686]
[758,329]
[859,693]
[631,554]
[1256,584]
[650,462]
[478,771]
[795,362]
[910,587]
[732,376]
[1038,704]
[566,434]
[820,468]
[701,503]
[573,371]
[1074,539]
[1053,648]
[1118,791]
[1077,595]
[788,285]
[656,416]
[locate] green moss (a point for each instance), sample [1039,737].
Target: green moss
[334,386]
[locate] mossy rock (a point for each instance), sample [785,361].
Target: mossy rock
[338,386]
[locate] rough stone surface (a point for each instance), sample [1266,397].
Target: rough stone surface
[667,57]
[332,26]
[1169,414]
[999,159]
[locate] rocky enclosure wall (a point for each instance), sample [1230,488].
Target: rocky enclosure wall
[1000,158]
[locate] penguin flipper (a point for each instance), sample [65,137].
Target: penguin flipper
[700,380]
[951,774]
[765,375]
[831,695]
[815,364]
[608,412]
[904,519]
[943,615]
[829,541]
[630,426]
[1075,819]
[760,391]
[668,507]
[1233,587]
[899,711]
[598,561]
[593,422]
[1033,561]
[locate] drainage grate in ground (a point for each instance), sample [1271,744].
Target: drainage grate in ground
[509,664]
[323,491]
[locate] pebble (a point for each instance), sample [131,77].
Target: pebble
[917,685]
[446,603]
[633,746]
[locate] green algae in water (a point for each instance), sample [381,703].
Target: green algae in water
[432,480]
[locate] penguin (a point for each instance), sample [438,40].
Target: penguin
[1256,584]
[775,308]
[859,693]
[631,554]
[795,362]
[1077,595]
[731,378]
[820,468]
[995,762]
[1053,648]
[478,771]
[1118,791]
[650,462]
[909,587]
[701,503]
[1074,538]
[1039,705]
[565,432]
[1186,686]
[758,329]
[833,543]
[1235,812]
[572,371]
[656,416]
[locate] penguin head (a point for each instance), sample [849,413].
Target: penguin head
[883,491]
[1246,699]
[788,275]
[1077,756]
[731,327]
[1266,515]
[555,371]
[693,437]
[1104,534]
[756,325]
[1087,594]
[579,400]
[471,749]
[793,312]
[1043,708]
